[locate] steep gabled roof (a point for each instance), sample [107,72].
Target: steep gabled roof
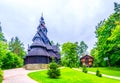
[41,45]
[86,56]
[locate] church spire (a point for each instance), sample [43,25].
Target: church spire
[42,20]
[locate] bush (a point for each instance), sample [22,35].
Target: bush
[1,76]
[98,73]
[53,71]
[11,60]
[85,69]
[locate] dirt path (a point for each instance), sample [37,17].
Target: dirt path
[108,76]
[18,75]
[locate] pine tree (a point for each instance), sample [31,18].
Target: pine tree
[53,71]
[17,47]
[2,38]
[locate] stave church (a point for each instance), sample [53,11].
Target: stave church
[41,51]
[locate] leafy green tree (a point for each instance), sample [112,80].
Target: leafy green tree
[104,31]
[69,54]
[11,60]
[114,46]
[8,59]
[94,54]
[17,47]
[3,51]
[3,47]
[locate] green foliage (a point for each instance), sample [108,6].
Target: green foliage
[98,73]
[114,46]
[1,76]
[53,71]
[9,54]
[17,47]
[3,51]
[11,60]
[107,33]
[69,54]
[94,54]
[2,38]
[7,58]
[84,69]
[81,49]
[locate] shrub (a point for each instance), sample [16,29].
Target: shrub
[98,73]
[53,71]
[1,76]
[84,69]
[11,60]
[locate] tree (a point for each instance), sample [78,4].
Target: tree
[11,60]
[117,7]
[8,59]
[2,38]
[69,54]
[82,48]
[114,46]
[52,42]
[3,51]
[53,71]
[94,54]
[104,32]
[17,47]
[58,45]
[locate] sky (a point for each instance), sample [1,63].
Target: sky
[66,20]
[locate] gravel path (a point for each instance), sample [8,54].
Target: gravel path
[108,76]
[18,75]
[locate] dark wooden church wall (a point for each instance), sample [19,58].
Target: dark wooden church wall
[37,59]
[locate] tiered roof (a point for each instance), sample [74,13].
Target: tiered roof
[41,45]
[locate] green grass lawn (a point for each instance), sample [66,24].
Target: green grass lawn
[69,75]
[107,70]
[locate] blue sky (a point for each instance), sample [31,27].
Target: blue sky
[66,20]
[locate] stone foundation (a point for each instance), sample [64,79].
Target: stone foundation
[36,66]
